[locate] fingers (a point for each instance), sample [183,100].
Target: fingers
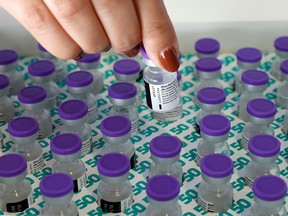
[158,35]
[120,21]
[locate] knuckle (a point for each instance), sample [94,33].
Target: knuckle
[108,5]
[66,9]
[154,29]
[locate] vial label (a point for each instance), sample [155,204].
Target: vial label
[1,143]
[197,128]
[244,142]
[282,101]
[205,205]
[20,206]
[162,97]
[116,207]
[133,161]
[86,146]
[53,102]
[80,182]
[40,134]
[171,116]
[134,127]
[248,181]
[35,165]
[2,117]
[92,115]
[198,160]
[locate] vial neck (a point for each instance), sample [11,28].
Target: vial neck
[268,205]
[82,96]
[25,141]
[165,163]
[209,108]
[59,202]
[265,162]
[123,140]
[9,69]
[15,187]
[72,158]
[34,112]
[116,182]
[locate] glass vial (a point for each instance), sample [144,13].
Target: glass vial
[57,193]
[66,150]
[282,92]
[285,123]
[114,191]
[24,133]
[33,101]
[7,111]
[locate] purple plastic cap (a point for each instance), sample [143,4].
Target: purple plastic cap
[264,145]
[23,127]
[208,64]
[72,109]
[127,67]
[41,68]
[89,58]
[115,126]
[122,90]
[8,56]
[216,166]
[79,79]
[144,54]
[41,48]
[261,108]
[12,165]
[56,185]
[162,188]
[249,55]
[211,95]
[4,81]
[269,188]
[165,146]
[32,95]
[215,125]
[207,46]
[281,43]
[255,77]
[113,164]
[66,144]
[179,75]
[284,67]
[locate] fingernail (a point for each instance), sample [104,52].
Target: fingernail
[80,56]
[106,49]
[169,59]
[133,52]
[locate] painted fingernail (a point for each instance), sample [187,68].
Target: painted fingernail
[133,52]
[106,49]
[169,59]
[80,56]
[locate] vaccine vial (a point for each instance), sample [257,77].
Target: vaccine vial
[281,50]
[60,70]
[91,62]
[116,132]
[114,191]
[42,74]
[211,101]
[17,194]
[73,114]
[214,132]
[209,73]
[33,101]
[8,65]
[66,150]
[24,133]
[206,48]
[123,97]
[269,195]
[163,192]
[7,111]
[264,150]
[80,83]
[161,86]
[215,192]
[165,153]
[282,92]
[248,58]
[57,193]
[128,70]
[261,114]
[254,83]
[285,123]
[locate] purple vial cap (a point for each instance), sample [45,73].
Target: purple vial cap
[284,67]
[261,108]
[23,127]
[216,166]
[208,64]
[127,66]
[215,125]
[115,126]
[41,48]
[165,146]
[12,165]
[122,90]
[162,188]
[207,46]
[56,185]
[73,109]
[269,188]
[249,55]
[32,95]
[211,95]
[113,164]
[79,79]
[264,145]
[8,56]
[41,68]
[179,75]
[255,77]
[66,144]
[144,53]
[89,58]
[4,81]
[281,43]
